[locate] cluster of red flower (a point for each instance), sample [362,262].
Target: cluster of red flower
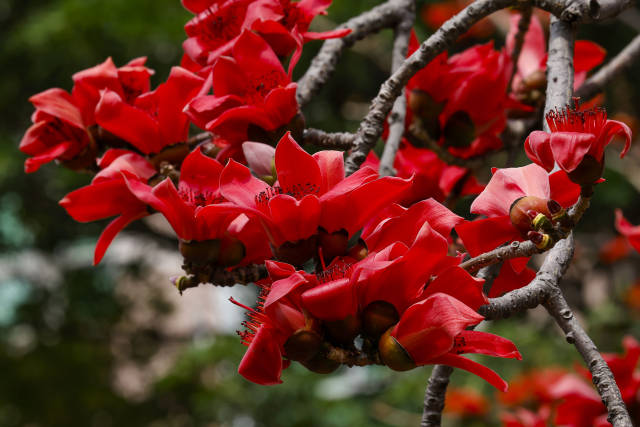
[353,276]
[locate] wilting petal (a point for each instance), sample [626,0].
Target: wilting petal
[260,157]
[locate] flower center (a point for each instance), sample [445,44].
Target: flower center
[570,119]
[298,191]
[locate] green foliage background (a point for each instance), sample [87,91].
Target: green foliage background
[56,356]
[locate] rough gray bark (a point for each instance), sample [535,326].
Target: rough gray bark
[399,110]
[383,16]
[339,140]
[434,395]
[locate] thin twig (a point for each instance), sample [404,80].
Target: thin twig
[322,66]
[434,395]
[336,140]
[198,138]
[420,137]
[218,276]
[399,110]
[597,82]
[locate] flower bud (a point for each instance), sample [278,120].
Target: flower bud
[320,364]
[343,332]
[393,354]
[173,154]
[333,244]
[200,252]
[560,215]
[588,171]
[359,251]
[542,241]
[521,208]
[302,345]
[298,252]
[232,253]
[427,111]
[459,131]
[378,317]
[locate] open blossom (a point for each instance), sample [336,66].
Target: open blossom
[416,315]
[222,237]
[462,101]
[155,119]
[513,201]
[63,126]
[282,23]
[108,195]
[305,209]
[252,93]
[576,142]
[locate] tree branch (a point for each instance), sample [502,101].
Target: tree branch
[320,138]
[399,110]
[434,395]
[602,377]
[597,82]
[322,66]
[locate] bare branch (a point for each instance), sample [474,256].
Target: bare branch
[604,9]
[434,395]
[603,379]
[322,66]
[320,138]
[513,250]
[399,110]
[597,82]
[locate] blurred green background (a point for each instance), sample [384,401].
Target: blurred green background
[114,345]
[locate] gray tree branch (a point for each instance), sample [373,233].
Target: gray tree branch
[399,110]
[597,82]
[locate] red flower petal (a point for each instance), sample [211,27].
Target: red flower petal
[60,104]
[456,282]
[129,123]
[538,149]
[334,300]
[262,363]
[294,219]
[569,148]
[486,234]
[475,368]
[485,343]
[110,232]
[297,170]
[33,164]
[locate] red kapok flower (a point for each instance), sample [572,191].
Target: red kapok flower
[108,195]
[155,119]
[576,142]
[251,89]
[530,80]
[234,238]
[509,200]
[311,192]
[631,232]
